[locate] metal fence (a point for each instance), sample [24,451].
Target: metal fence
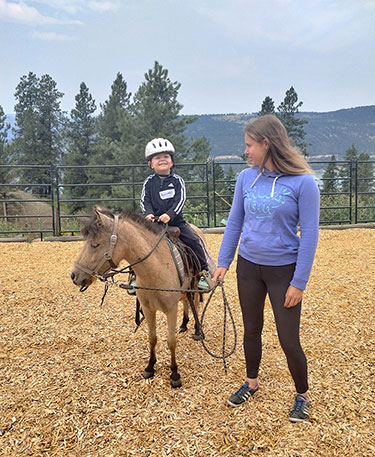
[52,200]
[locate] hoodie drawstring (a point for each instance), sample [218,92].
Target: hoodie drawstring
[273,184]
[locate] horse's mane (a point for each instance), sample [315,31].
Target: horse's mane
[139,219]
[92,228]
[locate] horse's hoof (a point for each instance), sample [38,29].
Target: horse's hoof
[148,374]
[176,383]
[182,330]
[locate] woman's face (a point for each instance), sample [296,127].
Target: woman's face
[255,151]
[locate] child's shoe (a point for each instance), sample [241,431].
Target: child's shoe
[205,282]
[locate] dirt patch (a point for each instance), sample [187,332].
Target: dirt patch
[40,211]
[70,370]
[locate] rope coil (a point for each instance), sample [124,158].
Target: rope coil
[227,311]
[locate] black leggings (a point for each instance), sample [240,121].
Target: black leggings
[254,282]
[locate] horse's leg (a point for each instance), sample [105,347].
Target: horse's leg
[198,334]
[172,322]
[194,300]
[150,317]
[185,319]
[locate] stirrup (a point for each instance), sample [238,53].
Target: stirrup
[205,283]
[131,290]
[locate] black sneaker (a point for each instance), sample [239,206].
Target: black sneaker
[301,409]
[242,394]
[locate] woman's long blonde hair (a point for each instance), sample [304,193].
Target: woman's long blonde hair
[286,158]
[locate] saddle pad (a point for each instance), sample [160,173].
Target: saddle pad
[210,261]
[178,260]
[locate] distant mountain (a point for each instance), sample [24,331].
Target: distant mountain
[327,133]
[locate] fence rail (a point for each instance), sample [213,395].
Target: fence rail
[52,200]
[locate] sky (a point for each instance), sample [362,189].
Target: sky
[228,55]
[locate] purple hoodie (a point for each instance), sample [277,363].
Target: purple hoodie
[267,209]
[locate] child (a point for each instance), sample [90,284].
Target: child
[164,195]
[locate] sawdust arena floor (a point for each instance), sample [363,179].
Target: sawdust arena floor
[70,370]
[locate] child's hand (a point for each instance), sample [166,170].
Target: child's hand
[150,217]
[164,218]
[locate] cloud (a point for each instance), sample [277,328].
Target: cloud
[103,7]
[52,36]
[24,14]
[69,6]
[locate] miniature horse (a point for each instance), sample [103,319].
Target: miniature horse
[111,239]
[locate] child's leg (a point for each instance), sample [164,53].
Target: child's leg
[191,239]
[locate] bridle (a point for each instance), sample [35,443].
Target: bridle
[107,257]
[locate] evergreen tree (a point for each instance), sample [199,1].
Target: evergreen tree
[37,136]
[365,171]
[330,176]
[268,107]
[348,169]
[114,109]
[5,173]
[286,112]
[195,176]
[81,138]
[115,134]
[156,113]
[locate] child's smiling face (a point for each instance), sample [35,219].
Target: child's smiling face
[161,163]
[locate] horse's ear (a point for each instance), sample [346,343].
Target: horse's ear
[101,218]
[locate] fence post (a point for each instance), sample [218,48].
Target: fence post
[214,188]
[354,168]
[57,231]
[208,194]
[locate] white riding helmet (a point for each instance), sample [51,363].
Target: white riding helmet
[158,146]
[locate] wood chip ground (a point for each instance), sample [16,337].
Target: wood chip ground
[70,370]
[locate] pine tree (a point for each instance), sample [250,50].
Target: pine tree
[330,176]
[113,110]
[286,112]
[365,170]
[81,138]
[5,173]
[115,135]
[268,107]
[156,113]
[347,170]
[39,121]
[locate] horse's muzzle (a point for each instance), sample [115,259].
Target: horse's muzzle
[81,280]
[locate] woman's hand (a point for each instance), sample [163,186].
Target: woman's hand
[220,272]
[293,296]
[150,217]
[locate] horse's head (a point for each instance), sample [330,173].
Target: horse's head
[95,257]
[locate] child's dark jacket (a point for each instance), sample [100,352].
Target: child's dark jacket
[164,196]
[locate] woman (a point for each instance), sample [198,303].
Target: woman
[271,199]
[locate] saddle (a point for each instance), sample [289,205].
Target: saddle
[183,256]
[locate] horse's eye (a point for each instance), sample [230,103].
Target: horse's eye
[94,246]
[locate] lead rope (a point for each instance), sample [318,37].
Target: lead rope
[227,310]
